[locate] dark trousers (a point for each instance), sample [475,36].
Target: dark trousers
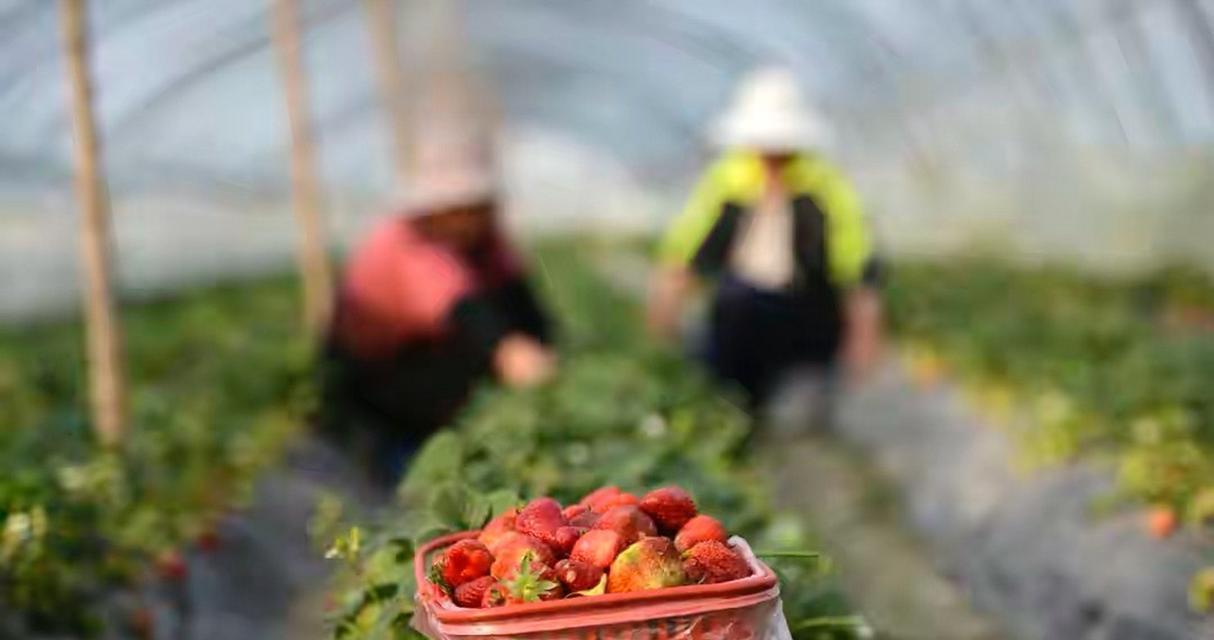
[756,337]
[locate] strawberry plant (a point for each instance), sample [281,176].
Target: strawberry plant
[622,414]
[1120,369]
[219,381]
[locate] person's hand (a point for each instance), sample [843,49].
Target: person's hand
[666,296]
[862,347]
[521,361]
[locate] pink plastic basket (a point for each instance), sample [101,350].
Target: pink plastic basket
[736,610]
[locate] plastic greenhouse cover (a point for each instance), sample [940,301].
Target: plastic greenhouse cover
[188,90]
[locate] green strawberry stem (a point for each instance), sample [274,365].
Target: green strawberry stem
[830,622]
[802,555]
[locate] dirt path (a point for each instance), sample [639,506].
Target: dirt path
[883,570]
[267,581]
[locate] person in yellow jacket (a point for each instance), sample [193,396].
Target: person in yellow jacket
[781,233]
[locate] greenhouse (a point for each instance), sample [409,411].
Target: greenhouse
[389,319]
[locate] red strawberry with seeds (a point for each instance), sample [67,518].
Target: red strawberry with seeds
[498,527]
[597,500]
[577,575]
[670,507]
[533,581]
[628,521]
[579,515]
[541,519]
[618,500]
[463,562]
[497,595]
[700,529]
[597,547]
[512,549]
[471,594]
[565,538]
[171,566]
[712,561]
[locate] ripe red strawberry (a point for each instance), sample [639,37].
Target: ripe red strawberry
[574,510]
[577,575]
[565,538]
[511,550]
[143,623]
[628,521]
[208,540]
[541,519]
[171,566]
[670,507]
[700,529]
[580,516]
[498,527]
[471,594]
[497,595]
[651,563]
[712,561]
[618,500]
[606,498]
[463,562]
[533,581]
[592,499]
[597,547]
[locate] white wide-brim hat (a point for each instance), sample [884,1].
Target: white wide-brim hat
[769,113]
[452,152]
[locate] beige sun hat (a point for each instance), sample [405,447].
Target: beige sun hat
[452,166]
[769,113]
[452,159]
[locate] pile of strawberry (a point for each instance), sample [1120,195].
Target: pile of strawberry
[609,542]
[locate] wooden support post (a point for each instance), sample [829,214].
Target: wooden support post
[312,252]
[382,19]
[107,385]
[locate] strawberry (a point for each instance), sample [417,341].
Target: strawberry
[465,561]
[498,527]
[651,563]
[670,507]
[471,594]
[1161,522]
[207,541]
[533,581]
[597,547]
[541,519]
[495,596]
[511,550]
[699,529]
[577,575]
[618,500]
[579,515]
[171,566]
[595,499]
[604,499]
[629,522]
[712,561]
[565,538]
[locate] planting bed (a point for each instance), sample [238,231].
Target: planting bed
[1078,402]
[92,539]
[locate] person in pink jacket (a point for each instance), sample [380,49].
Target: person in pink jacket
[432,302]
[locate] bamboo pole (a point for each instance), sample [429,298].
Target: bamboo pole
[381,18]
[311,254]
[103,333]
